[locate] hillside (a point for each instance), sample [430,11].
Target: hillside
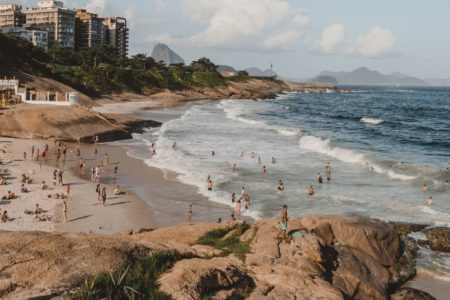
[365,76]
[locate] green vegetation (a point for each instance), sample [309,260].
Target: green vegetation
[228,244]
[101,70]
[137,281]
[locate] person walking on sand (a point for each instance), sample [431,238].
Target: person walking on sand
[115,171]
[106,159]
[60,177]
[32,152]
[37,154]
[98,190]
[190,212]
[104,195]
[24,156]
[65,211]
[64,151]
[283,223]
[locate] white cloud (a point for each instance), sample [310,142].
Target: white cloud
[96,6]
[377,42]
[332,39]
[335,40]
[259,25]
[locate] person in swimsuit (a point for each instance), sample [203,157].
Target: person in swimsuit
[104,195]
[425,188]
[210,185]
[311,190]
[319,178]
[429,201]
[283,223]
[233,197]
[264,170]
[328,171]
[280,186]
[237,209]
[174,146]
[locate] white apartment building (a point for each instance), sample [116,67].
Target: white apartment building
[37,37]
[53,17]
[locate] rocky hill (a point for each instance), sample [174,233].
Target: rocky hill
[162,52]
[365,76]
[327,257]
[256,72]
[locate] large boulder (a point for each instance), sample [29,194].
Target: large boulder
[439,238]
[406,228]
[377,238]
[196,278]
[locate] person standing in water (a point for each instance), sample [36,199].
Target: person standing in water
[311,190]
[264,170]
[274,160]
[429,201]
[190,213]
[259,160]
[174,146]
[319,178]
[425,188]
[283,223]
[210,185]
[234,168]
[328,171]
[233,197]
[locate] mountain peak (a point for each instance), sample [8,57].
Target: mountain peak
[162,52]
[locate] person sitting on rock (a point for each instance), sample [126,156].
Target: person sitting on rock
[44,186]
[9,196]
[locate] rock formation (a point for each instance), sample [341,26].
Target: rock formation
[328,257]
[439,238]
[162,52]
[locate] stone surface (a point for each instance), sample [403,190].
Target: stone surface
[192,279]
[406,228]
[162,52]
[407,293]
[439,238]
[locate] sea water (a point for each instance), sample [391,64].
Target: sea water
[382,145]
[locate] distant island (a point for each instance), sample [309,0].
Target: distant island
[365,76]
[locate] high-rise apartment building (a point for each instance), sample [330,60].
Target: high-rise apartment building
[11,15]
[38,38]
[58,21]
[89,30]
[117,34]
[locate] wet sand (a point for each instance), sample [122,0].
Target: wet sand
[440,289]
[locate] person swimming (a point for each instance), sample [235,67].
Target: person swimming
[264,170]
[210,185]
[280,185]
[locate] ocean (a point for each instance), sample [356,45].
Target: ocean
[382,144]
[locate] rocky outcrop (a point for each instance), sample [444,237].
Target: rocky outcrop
[439,238]
[220,278]
[68,123]
[327,257]
[407,228]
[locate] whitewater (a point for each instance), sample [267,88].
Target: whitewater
[382,146]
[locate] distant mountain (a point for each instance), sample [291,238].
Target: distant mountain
[162,52]
[364,76]
[438,81]
[324,79]
[255,72]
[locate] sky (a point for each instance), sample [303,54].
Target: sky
[300,38]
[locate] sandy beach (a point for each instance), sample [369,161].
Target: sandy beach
[85,213]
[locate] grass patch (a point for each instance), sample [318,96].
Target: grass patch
[137,281]
[231,244]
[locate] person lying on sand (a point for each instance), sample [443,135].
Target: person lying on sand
[5,217]
[9,196]
[3,181]
[23,189]
[44,186]
[118,191]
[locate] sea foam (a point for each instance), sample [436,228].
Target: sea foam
[372,121]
